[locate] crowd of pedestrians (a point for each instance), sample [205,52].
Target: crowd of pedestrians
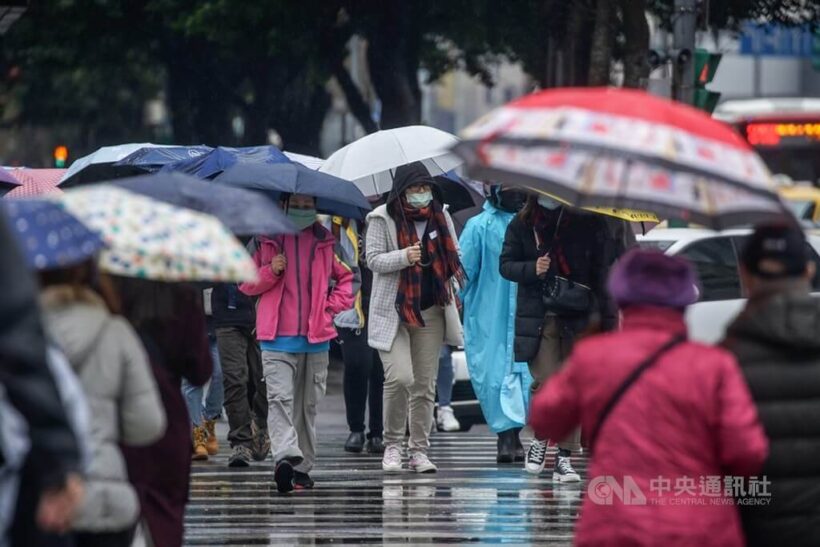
[565,330]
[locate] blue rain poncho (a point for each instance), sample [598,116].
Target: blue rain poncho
[501,385]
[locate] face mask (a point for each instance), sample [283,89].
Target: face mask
[548,203]
[302,218]
[511,200]
[419,201]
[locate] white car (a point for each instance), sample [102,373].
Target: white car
[715,255]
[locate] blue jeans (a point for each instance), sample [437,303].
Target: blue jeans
[444,382]
[212,406]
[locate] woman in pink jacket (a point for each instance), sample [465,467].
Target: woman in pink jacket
[301,286]
[680,435]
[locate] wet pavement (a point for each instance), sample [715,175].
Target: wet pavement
[470,500]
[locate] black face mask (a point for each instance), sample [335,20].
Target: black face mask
[511,200]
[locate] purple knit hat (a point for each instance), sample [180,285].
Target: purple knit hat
[651,278]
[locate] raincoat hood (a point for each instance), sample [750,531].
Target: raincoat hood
[75,316]
[787,320]
[410,174]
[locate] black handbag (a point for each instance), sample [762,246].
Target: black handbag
[563,296]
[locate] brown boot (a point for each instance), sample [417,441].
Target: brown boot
[200,437]
[212,444]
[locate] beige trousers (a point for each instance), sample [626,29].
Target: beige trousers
[554,348]
[410,370]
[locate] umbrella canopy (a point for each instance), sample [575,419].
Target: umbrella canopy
[371,161]
[457,193]
[623,148]
[311,162]
[221,158]
[334,196]
[152,158]
[7,181]
[622,214]
[154,240]
[99,165]
[36,182]
[244,212]
[48,235]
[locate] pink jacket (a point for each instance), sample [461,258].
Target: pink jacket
[688,416]
[300,301]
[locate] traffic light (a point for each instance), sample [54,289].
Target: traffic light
[60,156]
[705,67]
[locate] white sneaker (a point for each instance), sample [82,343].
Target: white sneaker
[420,463]
[447,419]
[536,458]
[563,471]
[391,462]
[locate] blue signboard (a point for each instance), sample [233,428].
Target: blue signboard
[777,40]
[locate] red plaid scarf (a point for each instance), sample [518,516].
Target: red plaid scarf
[439,253]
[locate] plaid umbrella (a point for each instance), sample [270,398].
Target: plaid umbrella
[35,182]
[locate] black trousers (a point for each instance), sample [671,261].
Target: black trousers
[245,394]
[105,539]
[363,381]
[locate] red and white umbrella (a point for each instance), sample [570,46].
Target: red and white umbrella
[35,182]
[623,148]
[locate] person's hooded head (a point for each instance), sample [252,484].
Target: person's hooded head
[413,188]
[652,278]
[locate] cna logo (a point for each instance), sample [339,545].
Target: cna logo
[604,489]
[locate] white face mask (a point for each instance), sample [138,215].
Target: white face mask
[548,203]
[420,200]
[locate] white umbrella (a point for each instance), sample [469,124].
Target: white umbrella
[371,161]
[311,162]
[106,154]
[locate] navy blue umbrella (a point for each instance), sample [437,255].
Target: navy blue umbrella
[48,235]
[334,196]
[242,211]
[221,158]
[152,158]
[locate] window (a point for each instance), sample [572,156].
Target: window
[716,262]
[656,244]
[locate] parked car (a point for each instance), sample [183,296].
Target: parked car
[464,402]
[715,256]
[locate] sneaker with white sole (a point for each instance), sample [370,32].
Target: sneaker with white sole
[536,458]
[420,463]
[446,419]
[563,471]
[391,461]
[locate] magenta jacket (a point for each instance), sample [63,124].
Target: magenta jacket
[688,416]
[301,301]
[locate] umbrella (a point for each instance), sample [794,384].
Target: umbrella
[7,181]
[99,165]
[36,182]
[221,158]
[371,161]
[152,158]
[456,193]
[334,196]
[630,215]
[242,211]
[48,235]
[310,162]
[154,240]
[623,148]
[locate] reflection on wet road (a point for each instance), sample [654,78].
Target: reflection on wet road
[471,500]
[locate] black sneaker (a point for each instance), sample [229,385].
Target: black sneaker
[375,445]
[355,442]
[240,456]
[260,444]
[563,471]
[283,476]
[302,481]
[536,457]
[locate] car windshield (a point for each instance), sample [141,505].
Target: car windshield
[656,244]
[802,209]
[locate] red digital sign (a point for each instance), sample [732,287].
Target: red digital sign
[773,133]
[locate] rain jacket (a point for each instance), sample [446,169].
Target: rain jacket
[122,395]
[348,248]
[688,416]
[501,385]
[309,309]
[776,340]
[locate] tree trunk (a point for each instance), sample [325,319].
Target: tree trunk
[636,48]
[602,40]
[393,63]
[355,102]
[576,59]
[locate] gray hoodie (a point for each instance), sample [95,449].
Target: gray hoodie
[122,395]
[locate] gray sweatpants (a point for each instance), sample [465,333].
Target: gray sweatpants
[295,383]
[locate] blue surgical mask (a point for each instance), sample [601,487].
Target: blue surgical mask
[548,203]
[419,201]
[302,218]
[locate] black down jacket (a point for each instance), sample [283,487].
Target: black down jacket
[584,238]
[777,342]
